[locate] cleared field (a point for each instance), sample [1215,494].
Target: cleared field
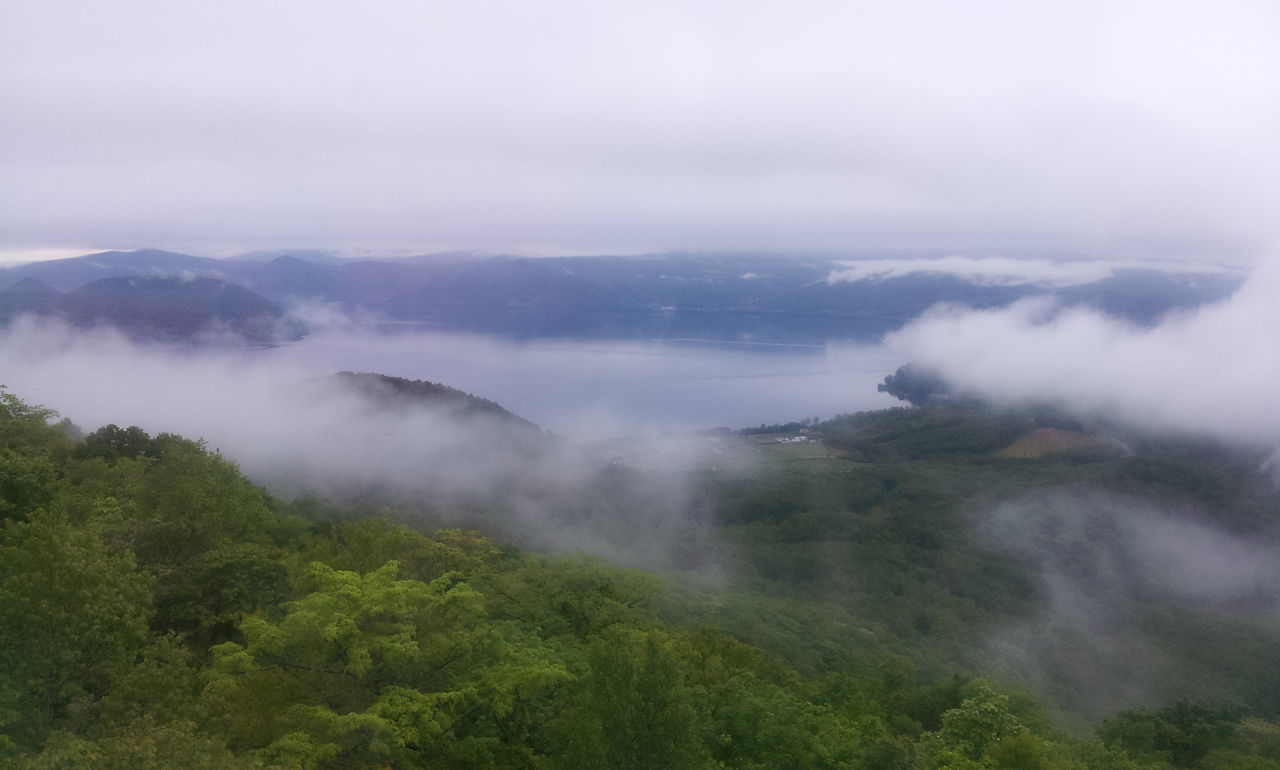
[1043,441]
[804,456]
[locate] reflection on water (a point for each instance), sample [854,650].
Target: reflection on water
[602,388]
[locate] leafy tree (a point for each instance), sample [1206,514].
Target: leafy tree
[164,684]
[1258,736]
[220,587]
[199,528]
[1182,734]
[111,442]
[579,598]
[755,712]
[637,711]
[190,501]
[141,744]
[980,721]
[72,615]
[30,452]
[26,482]
[366,544]
[1234,759]
[371,669]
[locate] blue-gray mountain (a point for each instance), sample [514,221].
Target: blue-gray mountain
[757,298]
[158,307]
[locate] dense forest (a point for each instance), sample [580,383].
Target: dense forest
[895,598]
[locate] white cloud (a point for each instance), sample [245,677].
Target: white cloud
[1105,564]
[1007,271]
[1214,370]
[294,430]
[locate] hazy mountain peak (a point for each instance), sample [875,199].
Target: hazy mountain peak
[399,392]
[136,256]
[31,287]
[288,260]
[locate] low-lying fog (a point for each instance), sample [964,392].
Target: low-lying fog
[585,391]
[1212,370]
[1112,569]
[269,411]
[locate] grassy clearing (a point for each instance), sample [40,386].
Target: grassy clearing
[814,456]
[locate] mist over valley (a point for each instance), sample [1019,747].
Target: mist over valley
[699,385]
[628,471]
[1083,539]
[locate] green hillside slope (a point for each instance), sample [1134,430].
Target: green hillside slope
[159,610]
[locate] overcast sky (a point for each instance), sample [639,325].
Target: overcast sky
[1104,128]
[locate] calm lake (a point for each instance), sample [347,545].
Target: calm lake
[581,389]
[598,389]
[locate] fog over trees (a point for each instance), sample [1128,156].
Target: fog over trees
[666,385]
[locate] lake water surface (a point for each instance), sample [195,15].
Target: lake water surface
[601,389]
[581,389]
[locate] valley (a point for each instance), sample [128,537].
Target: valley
[854,588]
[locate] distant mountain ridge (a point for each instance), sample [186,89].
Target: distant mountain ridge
[73,272]
[156,307]
[29,295]
[752,298]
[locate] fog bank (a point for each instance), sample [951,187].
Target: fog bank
[1214,370]
[296,431]
[1127,591]
[1010,271]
